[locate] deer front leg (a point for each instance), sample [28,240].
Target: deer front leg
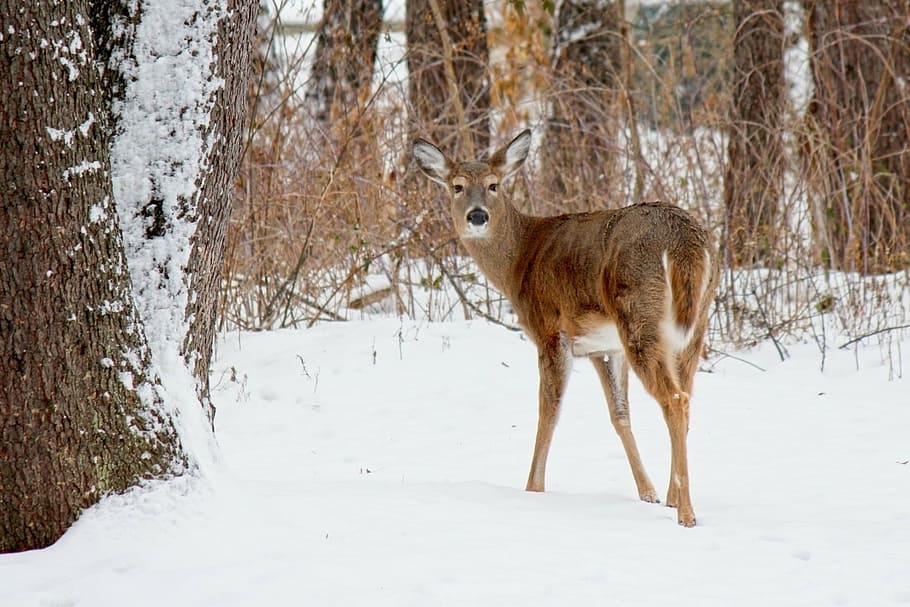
[554,363]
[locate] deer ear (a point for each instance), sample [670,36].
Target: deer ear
[510,157]
[431,161]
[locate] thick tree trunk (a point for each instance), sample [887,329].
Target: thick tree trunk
[448,83]
[753,182]
[583,122]
[342,72]
[860,125]
[80,410]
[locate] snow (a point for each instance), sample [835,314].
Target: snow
[383,461]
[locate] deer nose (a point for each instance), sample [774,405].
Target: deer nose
[478,217]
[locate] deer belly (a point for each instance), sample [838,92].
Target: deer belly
[598,339]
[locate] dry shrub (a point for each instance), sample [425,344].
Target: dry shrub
[329,223]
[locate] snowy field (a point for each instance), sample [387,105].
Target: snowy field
[382,463]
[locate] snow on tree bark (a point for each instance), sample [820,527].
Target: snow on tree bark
[176,153]
[80,405]
[111,238]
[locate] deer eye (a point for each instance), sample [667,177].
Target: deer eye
[458,189]
[492,187]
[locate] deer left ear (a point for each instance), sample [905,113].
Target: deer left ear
[510,157]
[431,161]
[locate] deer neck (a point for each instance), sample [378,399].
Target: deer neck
[498,255]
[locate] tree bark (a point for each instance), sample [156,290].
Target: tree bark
[214,196]
[448,83]
[753,183]
[80,408]
[587,78]
[173,187]
[342,72]
[859,127]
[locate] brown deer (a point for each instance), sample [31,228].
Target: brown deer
[625,287]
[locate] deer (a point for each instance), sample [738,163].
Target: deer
[627,287]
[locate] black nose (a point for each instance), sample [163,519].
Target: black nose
[478,217]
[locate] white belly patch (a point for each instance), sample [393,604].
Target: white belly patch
[601,338]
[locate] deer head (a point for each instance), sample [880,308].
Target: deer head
[478,205]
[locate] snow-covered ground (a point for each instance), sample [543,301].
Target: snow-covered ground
[382,463]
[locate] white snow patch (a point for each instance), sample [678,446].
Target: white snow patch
[397,479]
[83,167]
[67,135]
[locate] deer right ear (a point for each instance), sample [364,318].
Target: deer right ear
[431,161]
[508,159]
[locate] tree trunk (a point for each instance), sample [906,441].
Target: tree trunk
[753,183]
[859,127]
[80,407]
[214,196]
[342,72]
[111,240]
[583,125]
[173,187]
[448,83]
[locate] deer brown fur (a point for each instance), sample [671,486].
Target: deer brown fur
[626,287]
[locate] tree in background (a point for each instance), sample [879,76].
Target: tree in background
[859,127]
[111,236]
[448,83]
[753,183]
[586,81]
[342,69]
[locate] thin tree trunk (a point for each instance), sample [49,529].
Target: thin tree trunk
[448,84]
[215,195]
[342,69]
[80,408]
[860,125]
[584,99]
[753,183]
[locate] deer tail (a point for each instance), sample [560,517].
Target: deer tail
[687,281]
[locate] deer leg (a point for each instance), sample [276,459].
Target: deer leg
[614,377]
[676,412]
[554,362]
[686,366]
[652,364]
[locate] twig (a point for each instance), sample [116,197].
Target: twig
[458,290]
[781,350]
[737,358]
[876,332]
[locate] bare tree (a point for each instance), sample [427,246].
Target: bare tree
[83,408]
[586,82]
[859,126]
[753,182]
[345,53]
[448,84]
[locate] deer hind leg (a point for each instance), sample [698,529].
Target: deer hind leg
[554,363]
[658,372]
[614,376]
[686,366]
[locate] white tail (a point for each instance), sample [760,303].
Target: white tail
[627,287]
